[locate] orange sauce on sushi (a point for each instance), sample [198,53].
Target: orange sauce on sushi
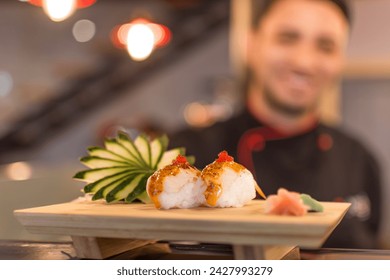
[211,175]
[156,181]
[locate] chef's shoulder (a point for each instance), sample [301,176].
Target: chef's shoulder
[350,146]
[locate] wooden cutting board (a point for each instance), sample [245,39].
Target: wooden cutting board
[239,226]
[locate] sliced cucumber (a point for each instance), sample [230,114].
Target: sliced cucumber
[92,175]
[191,159]
[126,142]
[97,185]
[157,148]
[103,153]
[103,192]
[114,146]
[144,197]
[143,146]
[169,156]
[98,162]
[122,190]
[137,191]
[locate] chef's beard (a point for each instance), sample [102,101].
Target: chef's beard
[282,107]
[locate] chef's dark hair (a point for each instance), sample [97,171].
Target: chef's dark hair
[260,8]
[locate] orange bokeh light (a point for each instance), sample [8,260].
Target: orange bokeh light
[162,34]
[80,3]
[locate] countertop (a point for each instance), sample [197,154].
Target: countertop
[28,250]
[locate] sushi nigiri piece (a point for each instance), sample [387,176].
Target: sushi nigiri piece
[229,184]
[177,185]
[286,203]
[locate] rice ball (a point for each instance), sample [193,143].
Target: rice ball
[177,185]
[229,184]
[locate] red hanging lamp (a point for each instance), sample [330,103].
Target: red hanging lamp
[137,33]
[60,10]
[80,3]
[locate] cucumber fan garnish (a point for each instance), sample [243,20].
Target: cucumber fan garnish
[119,170]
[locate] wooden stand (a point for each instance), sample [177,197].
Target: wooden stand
[101,248]
[99,230]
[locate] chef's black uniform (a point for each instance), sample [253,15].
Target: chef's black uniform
[322,161]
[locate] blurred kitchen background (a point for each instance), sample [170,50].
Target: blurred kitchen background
[68,82]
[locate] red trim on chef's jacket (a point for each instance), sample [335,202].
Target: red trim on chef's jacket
[253,140]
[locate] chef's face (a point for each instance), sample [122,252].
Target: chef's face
[296,52]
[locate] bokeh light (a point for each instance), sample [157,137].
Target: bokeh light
[162,34]
[59,10]
[140,37]
[6,83]
[84,30]
[140,41]
[18,171]
[197,115]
